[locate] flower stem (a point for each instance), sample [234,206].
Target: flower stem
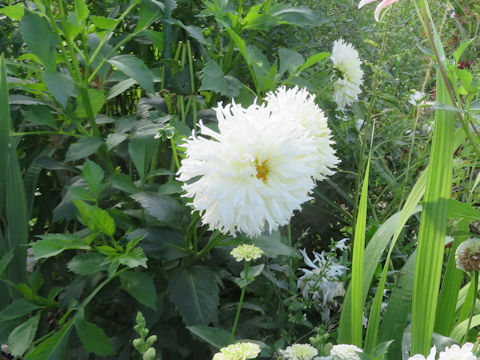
[475,287]
[240,302]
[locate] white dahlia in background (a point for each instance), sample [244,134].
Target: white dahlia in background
[299,352]
[467,255]
[252,174]
[238,351]
[456,352]
[431,356]
[298,107]
[345,352]
[347,64]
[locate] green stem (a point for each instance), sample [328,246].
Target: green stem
[240,302]
[475,287]
[174,152]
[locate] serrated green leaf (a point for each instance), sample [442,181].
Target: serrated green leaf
[135,68]
[54,244]
[82,148]
[81,9]
[60,85]
[93,338]
[133,258]
[93,175]
[194,292]
[103,22]
[140,285]
[22,336]
[88,264]
[53,348]
[17,309]
[40,38]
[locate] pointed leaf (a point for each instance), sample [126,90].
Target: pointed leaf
[140,285]
[135,68]
[22,336]
[93,338]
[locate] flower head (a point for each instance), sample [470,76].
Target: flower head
[345,352]
[251,173]
[467,256]
[347,63]
[238,351]
[298,107]
[456,352]
[246,252]
[418,98]
[299,352]
[383,4]
[431,356]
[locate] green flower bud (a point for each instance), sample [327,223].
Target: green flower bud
[150,354]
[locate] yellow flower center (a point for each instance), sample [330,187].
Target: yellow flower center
[262,170]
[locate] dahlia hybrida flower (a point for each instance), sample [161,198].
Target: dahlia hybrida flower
[345,352]
[346,62]
[297,106]
[238,351]
[383,4]
[456,352]
[299,352]
[431,356]
[246,252]
[467,255]
[250,175]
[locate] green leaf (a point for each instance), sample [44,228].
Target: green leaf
[81,9]
[195,294]
[165,209]
[97,99]
[40,39]
[300,15]
[84,147]
[15,12]
[124,182]
[94,218]
[17,309]
[148,13]
[460,210]
[289,61]
[218,338]
[141,149]
[39,115]
[213,79]
[459,330]
[103,22]
[135,68]
[53,348]
[54,244]
[475,105]
[114,139]
[133,258]
[60,85]
[22,336]
[140,285]
[88,264]
[4,127]
[312,60]
[433,226]
[93,175]
[119,88]
[6,259]
[93,338]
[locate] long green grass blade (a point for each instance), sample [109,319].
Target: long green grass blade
[460,330]
[4,129]
[396,315]
[374,320]
[357,264]
[431,239]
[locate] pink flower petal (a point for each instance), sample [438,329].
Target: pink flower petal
[365,2]
[384,4]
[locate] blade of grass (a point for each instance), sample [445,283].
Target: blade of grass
[4,128]
[431,239]
[374,320]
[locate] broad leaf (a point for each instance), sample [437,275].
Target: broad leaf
[22,336]
[60,85]
[140,285]
[93,174]
[195,294]
[96,98]
[218,338]
[54,244]
[15,12]
[53,348]
[135,68]
[88,263]
[82,148]
[17,309]
[213,79]
[39,115]
[93,338]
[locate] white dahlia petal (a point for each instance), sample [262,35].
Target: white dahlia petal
[347,64]
[456,352]
[345,352]
[252,174]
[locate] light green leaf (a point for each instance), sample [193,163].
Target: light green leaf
[460,210]
[140,285]
[88,263]
[93,175]
[135,68]
[312,60]
[81,9]
[103,22]
[133,258]
[84,147]
[93,338]
[22,336]
[40,39]
[15,12]
[300,15]
[54,244]
[194,292]
[97,99]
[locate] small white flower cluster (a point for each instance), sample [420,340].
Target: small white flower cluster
[238,351]
[261,165]
[346,62]
[418,98]
[453,352]
[322,281]
[345,352]
[246,252]
[299,352]
[467,255]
